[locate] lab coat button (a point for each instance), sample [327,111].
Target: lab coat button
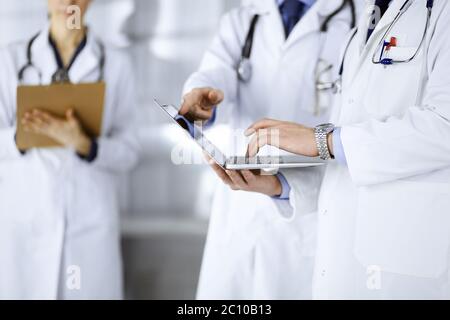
[351,101]
[324,273]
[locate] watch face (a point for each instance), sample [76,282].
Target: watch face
[328,127]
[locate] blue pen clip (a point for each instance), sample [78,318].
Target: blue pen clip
[387,62]
[385,44]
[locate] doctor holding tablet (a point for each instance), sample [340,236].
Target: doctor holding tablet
[384,223]
[264,52]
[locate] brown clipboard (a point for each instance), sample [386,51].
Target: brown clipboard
[87,100]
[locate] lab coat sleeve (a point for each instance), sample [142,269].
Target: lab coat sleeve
[8,149]
[305,186]
[218,66]
[416,143]
[119,149]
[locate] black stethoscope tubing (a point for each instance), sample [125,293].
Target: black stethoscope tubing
[403,9]
[429,3]
[30,65]
[244,68]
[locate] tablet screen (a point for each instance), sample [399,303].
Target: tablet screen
[195,132]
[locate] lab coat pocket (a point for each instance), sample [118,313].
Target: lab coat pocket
[18,203]
[401,53]
[403,228]
[396,85]
[100,187]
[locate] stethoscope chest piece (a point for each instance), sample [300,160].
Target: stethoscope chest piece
[61,76]
[245,70]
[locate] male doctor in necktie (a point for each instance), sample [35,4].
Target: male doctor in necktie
[384,222]
[251,253]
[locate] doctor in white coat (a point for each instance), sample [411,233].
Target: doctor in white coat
[250,252]
[384,223]
[59,213]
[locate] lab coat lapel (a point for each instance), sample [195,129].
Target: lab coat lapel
[384,23]
[363,25]
[86,63]
[308,24]
[365,47]
[360,37]
[273,29]
[312,20]
[43,57]
[84,66]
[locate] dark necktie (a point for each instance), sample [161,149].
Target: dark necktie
[383,5]
[291,12]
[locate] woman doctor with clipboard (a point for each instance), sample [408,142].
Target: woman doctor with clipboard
[59,226]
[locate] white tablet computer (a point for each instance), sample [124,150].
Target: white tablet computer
[235,162]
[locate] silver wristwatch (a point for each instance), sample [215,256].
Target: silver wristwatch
[322,131]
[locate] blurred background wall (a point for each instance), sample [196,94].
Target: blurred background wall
[165,207]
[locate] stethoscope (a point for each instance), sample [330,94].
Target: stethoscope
[382,44]
[62,74]
[244,68]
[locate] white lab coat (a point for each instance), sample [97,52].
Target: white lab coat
[384,223]
[59,214]
[251,253]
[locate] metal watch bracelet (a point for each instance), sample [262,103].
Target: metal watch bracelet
[321,133]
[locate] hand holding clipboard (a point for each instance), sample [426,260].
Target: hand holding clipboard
[85,100]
